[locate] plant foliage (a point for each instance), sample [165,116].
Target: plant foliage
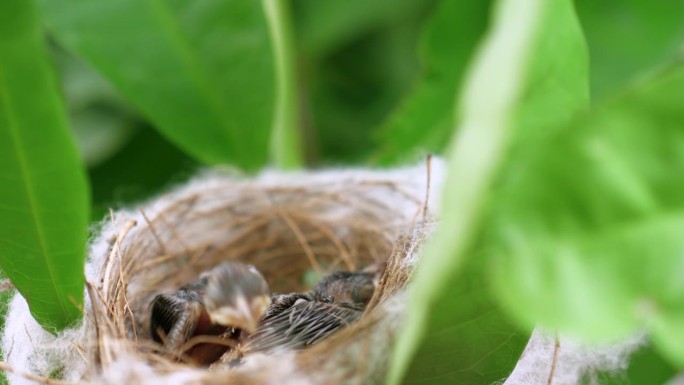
[496,109]
[44,199]
[189,67]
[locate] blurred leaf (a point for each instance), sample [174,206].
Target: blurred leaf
[424,121]
[556,87]
[587,224]
[201,71]
[425,118]
[352,91]
[627,37]
[469,340]
[44,196]
[100,119]
[532,38]
[145,166]
[323,26]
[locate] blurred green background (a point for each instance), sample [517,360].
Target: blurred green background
[376,83]
[355,61]
[358,63]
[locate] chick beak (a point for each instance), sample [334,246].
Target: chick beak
[244,314]
[246,318]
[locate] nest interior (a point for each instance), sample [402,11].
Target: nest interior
[291,227]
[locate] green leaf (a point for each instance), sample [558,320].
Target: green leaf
[323,26]
[587,226]
[100,119]
[129,177]
[557,83]
[469,340]
[201,71]
[351,91]
[542,47]
[425,118]
[44,196]
[628,37]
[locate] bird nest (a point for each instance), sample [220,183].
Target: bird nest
[292,227]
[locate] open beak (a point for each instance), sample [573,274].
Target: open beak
[243,314]
[247,319]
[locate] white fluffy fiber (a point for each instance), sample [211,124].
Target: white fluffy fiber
[28,348]
[573,360]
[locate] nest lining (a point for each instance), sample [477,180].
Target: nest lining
[287,225]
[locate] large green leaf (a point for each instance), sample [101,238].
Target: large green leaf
[43,195]
[628,37]
[425,118]
[469,341]
[201,71]
[544,79]
[588,226]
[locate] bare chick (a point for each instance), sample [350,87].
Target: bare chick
[225,302]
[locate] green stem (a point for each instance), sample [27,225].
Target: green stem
[285,141]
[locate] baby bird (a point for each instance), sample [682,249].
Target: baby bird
[346,288]
[225,302]
[298,320]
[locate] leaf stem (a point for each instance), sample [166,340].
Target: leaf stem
[286,150]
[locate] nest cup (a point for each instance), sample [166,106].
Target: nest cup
[289,225]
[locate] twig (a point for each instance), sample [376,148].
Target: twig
[301,238]
[174,234]
[154,232]
[328,232]
[6,285]
[428,161]
[120,235]
[554,362]
[93,305]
